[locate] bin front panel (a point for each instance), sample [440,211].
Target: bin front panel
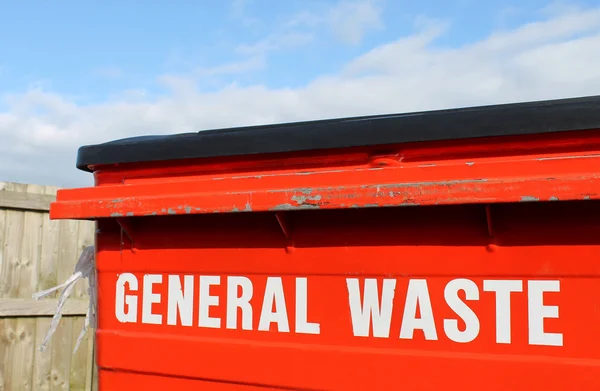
[493,170]
[442,297]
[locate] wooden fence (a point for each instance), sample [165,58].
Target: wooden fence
[36,254]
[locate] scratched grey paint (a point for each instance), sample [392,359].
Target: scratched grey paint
[282,207]
[529,199]
[306,198]
[309,198]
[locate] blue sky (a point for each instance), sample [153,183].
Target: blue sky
[92,51]
[74,73]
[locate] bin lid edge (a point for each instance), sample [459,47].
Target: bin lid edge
[536,117]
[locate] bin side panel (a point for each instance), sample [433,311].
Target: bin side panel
[462,297]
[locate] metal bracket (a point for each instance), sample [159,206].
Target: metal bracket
[284,224]
[488,218]
[127,229]
[492,246]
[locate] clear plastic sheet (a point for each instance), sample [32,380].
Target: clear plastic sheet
[85,268]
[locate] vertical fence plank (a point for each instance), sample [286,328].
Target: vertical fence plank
[27,283]
[42,369]
[61,352]
[47,278]
[15,355]
[90,361]
[12,235]
[78,359]
[29,260]
[95,380]
[3,326]
[67,249]
[6,336]
[3,242]
[9,341]
[86,237]
[22,354]
[61,355]
[13,232]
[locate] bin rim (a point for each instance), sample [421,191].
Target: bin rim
[510,119]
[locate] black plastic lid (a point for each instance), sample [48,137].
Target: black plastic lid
[484,121]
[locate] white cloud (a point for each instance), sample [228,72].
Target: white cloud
[351,20]
[555,58]
[560,7]
[348,20]
[273,42]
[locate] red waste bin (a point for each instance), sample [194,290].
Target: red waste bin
[455,249]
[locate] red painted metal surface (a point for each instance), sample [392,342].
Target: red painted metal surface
[471,290]
[562,167]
